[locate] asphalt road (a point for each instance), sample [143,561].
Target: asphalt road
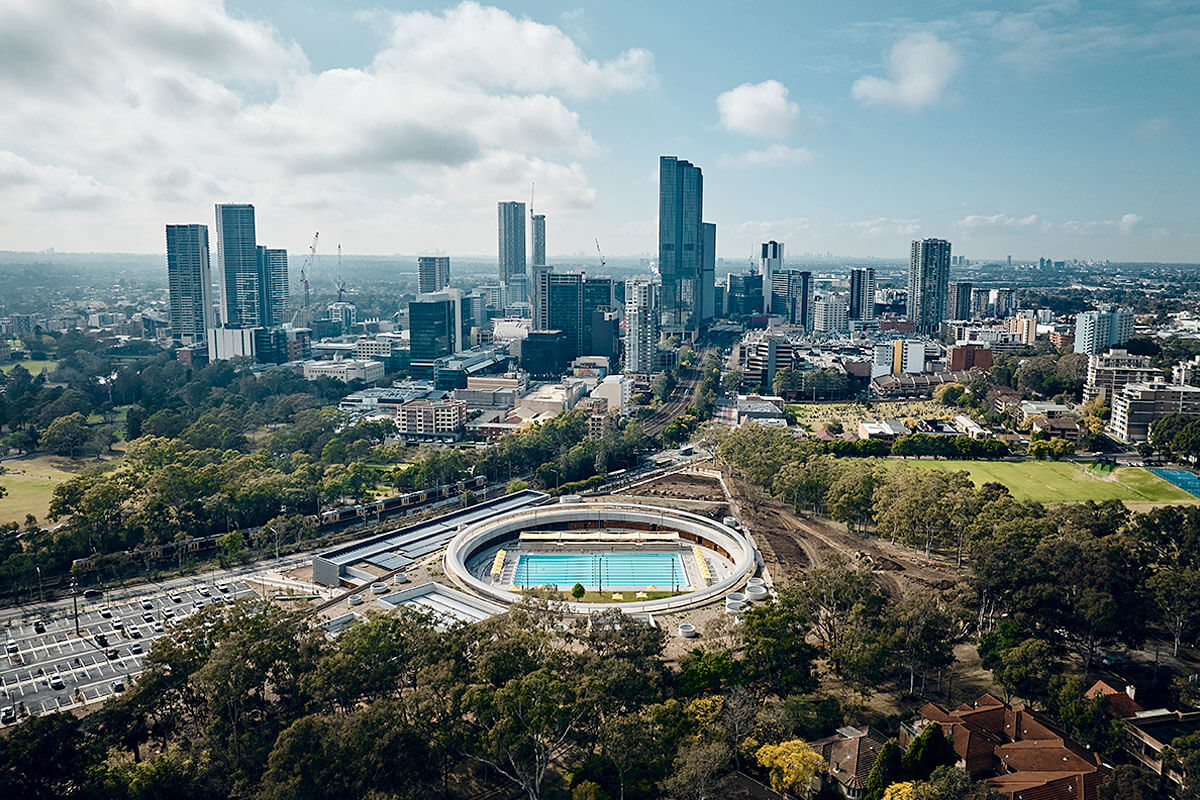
[85,669]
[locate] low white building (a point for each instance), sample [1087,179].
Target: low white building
[431,418]
[344,369]
[618,391]
[227,343]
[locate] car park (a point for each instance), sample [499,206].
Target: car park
[39,627]
[148,617]
[11,648]
[203,590]
[157,627]
[118,624]
[137,648]
[135,633]
[146,604]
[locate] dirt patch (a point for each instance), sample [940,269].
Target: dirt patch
[683,485]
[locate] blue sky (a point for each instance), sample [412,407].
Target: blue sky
[1057,129]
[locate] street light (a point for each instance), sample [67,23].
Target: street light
[75,602]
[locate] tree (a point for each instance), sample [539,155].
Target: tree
[1176,596]
[696,772]
[830,597]
[919,635]
[900,791]
[65,435]
[776,653]
[1026,669]
[577,591]
[884,771]
[1127,782]
[930,750]
[792,765]
[951,783]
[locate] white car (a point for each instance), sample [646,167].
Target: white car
[146,604]
[203,590]
[106,612]
[11,648]
[56,682]
[223,587]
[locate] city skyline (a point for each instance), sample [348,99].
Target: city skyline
[1018,112]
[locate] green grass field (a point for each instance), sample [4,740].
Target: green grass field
[1067,482]
[34,367]
[30,484]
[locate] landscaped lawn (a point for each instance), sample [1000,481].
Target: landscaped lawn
[34,367]
[30,484]
[1066,482]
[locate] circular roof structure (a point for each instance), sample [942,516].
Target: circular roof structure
[570,517]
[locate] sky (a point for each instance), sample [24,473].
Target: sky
[1057,129]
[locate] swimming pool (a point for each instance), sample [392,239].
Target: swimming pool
[1182,478]
[600,571]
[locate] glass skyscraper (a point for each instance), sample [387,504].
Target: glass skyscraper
[511,229]
[680,243]
[238,272]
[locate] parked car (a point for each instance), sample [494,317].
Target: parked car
[118,686]
[146,604]
[39,627]
[56,682]
[106,612]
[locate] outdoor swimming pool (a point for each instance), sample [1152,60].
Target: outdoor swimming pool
[601,571]
[1182,478]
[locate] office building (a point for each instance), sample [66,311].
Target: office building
[761,355]
[227,343]
[680,244]
[511,224]
[1097,331]
[238,274]
[641,325]
[189,283]
[345,370]
[899,357]
[862,293]
[545,354]
[1001,302]
[598,307]
[770,261]
[979,303]
[959,303]
[744,294]
[433,273]
[273,285]
[792,297]
[435,329]
[1109,373]
[708,273]
[831,315]
[558,305]
[928,284]
[539,238]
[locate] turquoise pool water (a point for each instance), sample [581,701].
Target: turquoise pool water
[601,571]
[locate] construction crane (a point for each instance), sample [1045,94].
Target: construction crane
[340,283]
[306,267]
[601,254]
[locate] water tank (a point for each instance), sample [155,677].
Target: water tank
[687,630]
[730,522]
[379,588]
[356,600]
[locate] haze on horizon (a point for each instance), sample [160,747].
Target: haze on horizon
[1033,128]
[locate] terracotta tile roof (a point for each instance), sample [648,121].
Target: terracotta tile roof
[1119,703]
[850,754]
[1038,761]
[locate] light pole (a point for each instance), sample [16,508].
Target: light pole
[41,597]
[75,602]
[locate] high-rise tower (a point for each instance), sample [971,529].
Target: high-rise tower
[511,229]
[539,239]
[680,243]
[433,273]
[238,271]
[862,293]
[641,325]
[273,285]
[189,282]
[770,261]
[928,284]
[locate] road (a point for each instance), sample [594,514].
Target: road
[87,669]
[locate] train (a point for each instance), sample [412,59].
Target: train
[335,517]
[387,505]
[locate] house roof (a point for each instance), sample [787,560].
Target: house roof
[1120,703]
[850,754]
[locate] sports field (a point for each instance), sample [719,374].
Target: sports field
[34,367]
[30,483]
[1067,482]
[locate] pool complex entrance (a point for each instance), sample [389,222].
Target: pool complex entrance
[600,571]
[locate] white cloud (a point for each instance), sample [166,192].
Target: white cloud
[1155,127]
[1128,222]
[886,226]
[998,220]
[920,67]
[776,155]
[1125,225]
[759,109]
[157,110]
